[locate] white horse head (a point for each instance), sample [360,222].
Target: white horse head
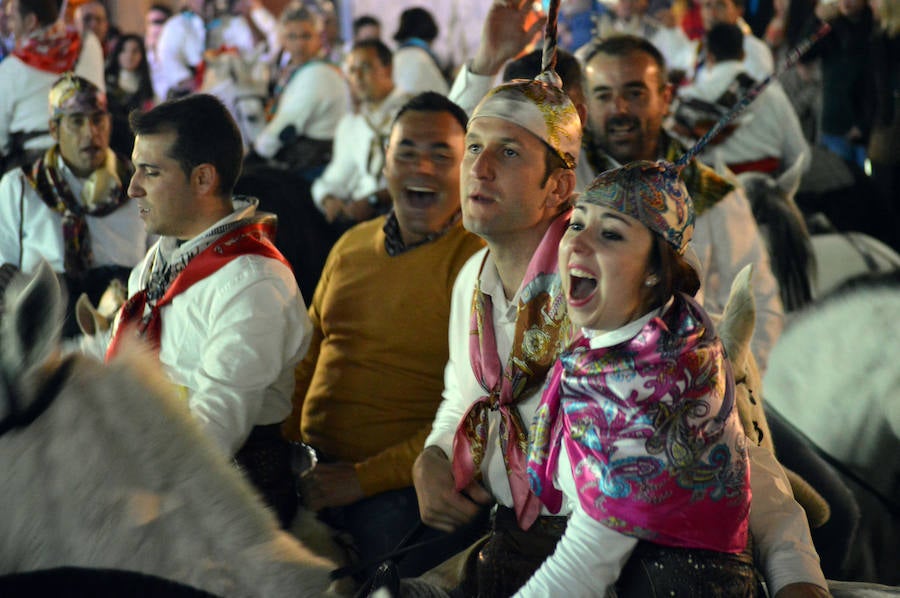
[102,466]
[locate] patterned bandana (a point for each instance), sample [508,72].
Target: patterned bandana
[541,109]
[650,192]
[102,194]
[656,448]
[53,49]
[705,186]
[72,94]
[541,330]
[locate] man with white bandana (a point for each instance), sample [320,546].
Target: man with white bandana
[70,207]
[214,296]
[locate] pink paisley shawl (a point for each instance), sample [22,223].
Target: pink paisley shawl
[656,447]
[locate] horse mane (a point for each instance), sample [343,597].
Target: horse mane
[787,238]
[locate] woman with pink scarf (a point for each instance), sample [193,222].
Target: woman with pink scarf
[637,428]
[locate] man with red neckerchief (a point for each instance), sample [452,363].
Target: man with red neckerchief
[45,48]
[213,296]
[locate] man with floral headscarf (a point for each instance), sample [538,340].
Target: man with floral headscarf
[45,48]
[70,207]
[507,323]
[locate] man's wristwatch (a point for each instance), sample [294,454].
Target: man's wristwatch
[373,200]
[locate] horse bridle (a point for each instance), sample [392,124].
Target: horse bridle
[22,418]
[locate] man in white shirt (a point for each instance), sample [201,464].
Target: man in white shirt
[45,48]
[352,188]
[758,60]
[766,138]
[69,208]
[213,296]
[310,98]
[180,50]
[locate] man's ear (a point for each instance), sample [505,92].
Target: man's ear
[205,179]
[561,187]
[668,92]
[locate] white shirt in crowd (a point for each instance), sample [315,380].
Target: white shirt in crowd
[314,101]
[24,91]
[119,238]
[415,71]
[179,51]
[355,170]
[769,128]
[230,341]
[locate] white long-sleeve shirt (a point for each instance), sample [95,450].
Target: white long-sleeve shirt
[119,238]
[777,521]
[314,101]
[768,129]
[24,91]
[354,172]
[415,72]
[178,51]
[230,341]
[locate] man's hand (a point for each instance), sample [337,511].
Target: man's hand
[440,505]
[509,28]
[332,207]
[331,485]
[802,590]
[358,210]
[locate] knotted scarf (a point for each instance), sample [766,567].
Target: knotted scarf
[105,195]
[253,238]
[655,446]
[54,49]
[541,325]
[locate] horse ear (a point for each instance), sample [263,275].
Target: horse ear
[789,180]
[32,322]
[736,326]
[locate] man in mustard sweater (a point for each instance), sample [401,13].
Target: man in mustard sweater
[368,389]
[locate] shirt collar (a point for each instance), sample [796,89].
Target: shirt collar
[393,239]
[599,339]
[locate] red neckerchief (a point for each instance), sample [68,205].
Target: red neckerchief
[251,239]
[53,50]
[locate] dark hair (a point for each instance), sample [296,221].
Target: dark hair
[552,161]
[46,11]
[725,42]
[364,21]
[385,56]
[416,22]
[529,67]
[674,272]
[161,8]
[430,101]
[145,88]
[205,133]
[623,45]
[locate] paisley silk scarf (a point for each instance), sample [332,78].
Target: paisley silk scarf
[649,426]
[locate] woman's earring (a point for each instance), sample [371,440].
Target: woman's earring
[652,280]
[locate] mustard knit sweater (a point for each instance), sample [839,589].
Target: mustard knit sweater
[368,389]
